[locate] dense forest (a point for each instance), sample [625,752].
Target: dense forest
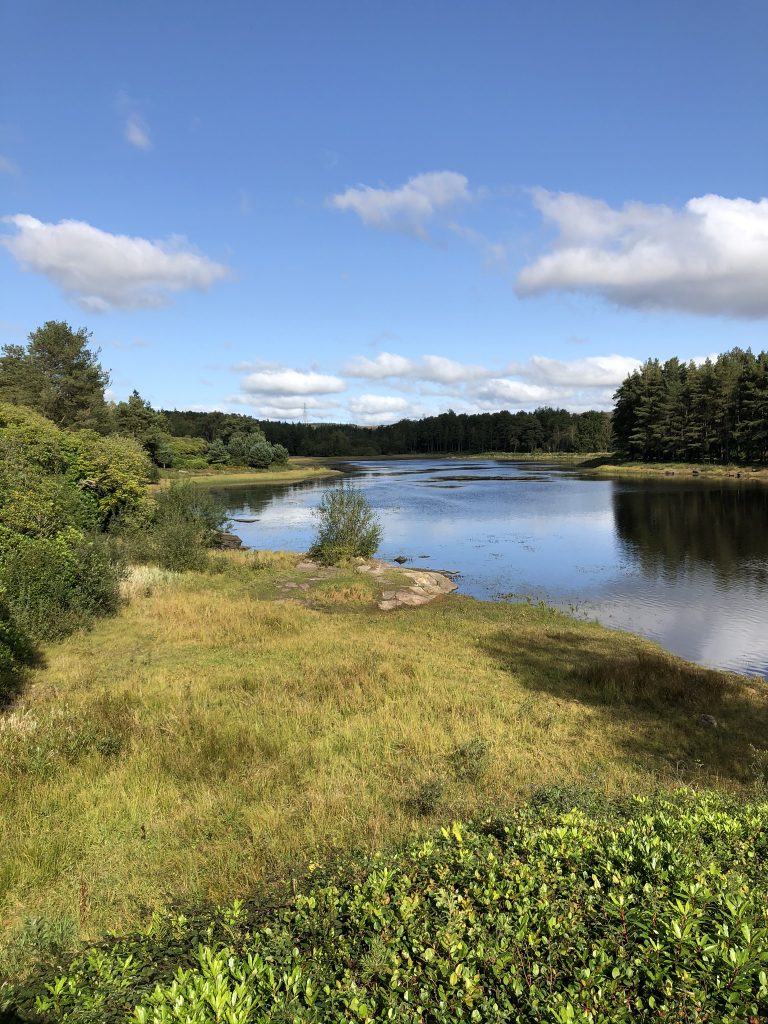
[547,430]
[716,411]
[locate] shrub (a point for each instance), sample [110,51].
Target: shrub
[53,585]
[279,454]
[15,652]
[258,454]
[184,524]
[653,913]
[348,527]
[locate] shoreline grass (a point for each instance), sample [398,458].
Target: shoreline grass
[297,471]
[228,727]
[681,470]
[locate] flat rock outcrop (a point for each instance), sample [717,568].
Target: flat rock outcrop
[425,586]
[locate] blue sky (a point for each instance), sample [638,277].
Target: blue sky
[385,209]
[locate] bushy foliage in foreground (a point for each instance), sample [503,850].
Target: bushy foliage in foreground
[59,492]
[347,526]
[651,911]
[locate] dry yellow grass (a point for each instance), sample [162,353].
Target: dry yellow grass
[211,736]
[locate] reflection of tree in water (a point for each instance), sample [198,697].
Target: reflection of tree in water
[673,528]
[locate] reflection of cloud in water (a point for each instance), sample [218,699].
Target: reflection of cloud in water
[691,619]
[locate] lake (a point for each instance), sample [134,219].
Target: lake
[684,562]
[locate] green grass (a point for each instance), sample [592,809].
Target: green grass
[296,471]
[576,458]
[618,467]
[224,729]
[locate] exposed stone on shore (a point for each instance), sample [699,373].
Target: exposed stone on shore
[425,584]
[228,541]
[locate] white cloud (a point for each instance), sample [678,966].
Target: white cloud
[436,369]
[285,407]
[710,257]
[406,208]
[504,391]
[592,372]
[101,271]
[137,133]
[8,166]
[291,382]
[384,365]
[377,404]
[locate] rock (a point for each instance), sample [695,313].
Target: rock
[307,565]
[425,556]
[709,720]
[245,519]
[290,586]
[400,559]
[426,585]
[695,472]
[227,541]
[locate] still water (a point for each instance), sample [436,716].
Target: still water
[682,562]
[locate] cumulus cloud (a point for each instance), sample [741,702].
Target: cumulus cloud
[291,382]
[427,386]
[285,407]
[137,133]
[436,369]
[406,208]
[577,384]
[592,372]
[102,271]
[384,365]
[376,404]
[505,391]
[710,257]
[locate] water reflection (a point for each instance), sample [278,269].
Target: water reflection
[671,528]
[685,563]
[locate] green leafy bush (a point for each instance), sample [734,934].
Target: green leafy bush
[15,652]
[348,527]
[653,910]
[184,525]
[53,585]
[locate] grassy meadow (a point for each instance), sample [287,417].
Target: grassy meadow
[228,727]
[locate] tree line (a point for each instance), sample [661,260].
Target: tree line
[715,411]
[546,430]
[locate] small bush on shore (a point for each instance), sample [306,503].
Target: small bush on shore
[348,527]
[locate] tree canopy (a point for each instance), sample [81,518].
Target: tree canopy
[688,412]
[57,375]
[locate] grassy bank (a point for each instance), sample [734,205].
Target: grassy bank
[685,470]
[570,458]
[297,471]
[228,727]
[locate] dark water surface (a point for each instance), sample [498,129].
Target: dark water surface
[682,562]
